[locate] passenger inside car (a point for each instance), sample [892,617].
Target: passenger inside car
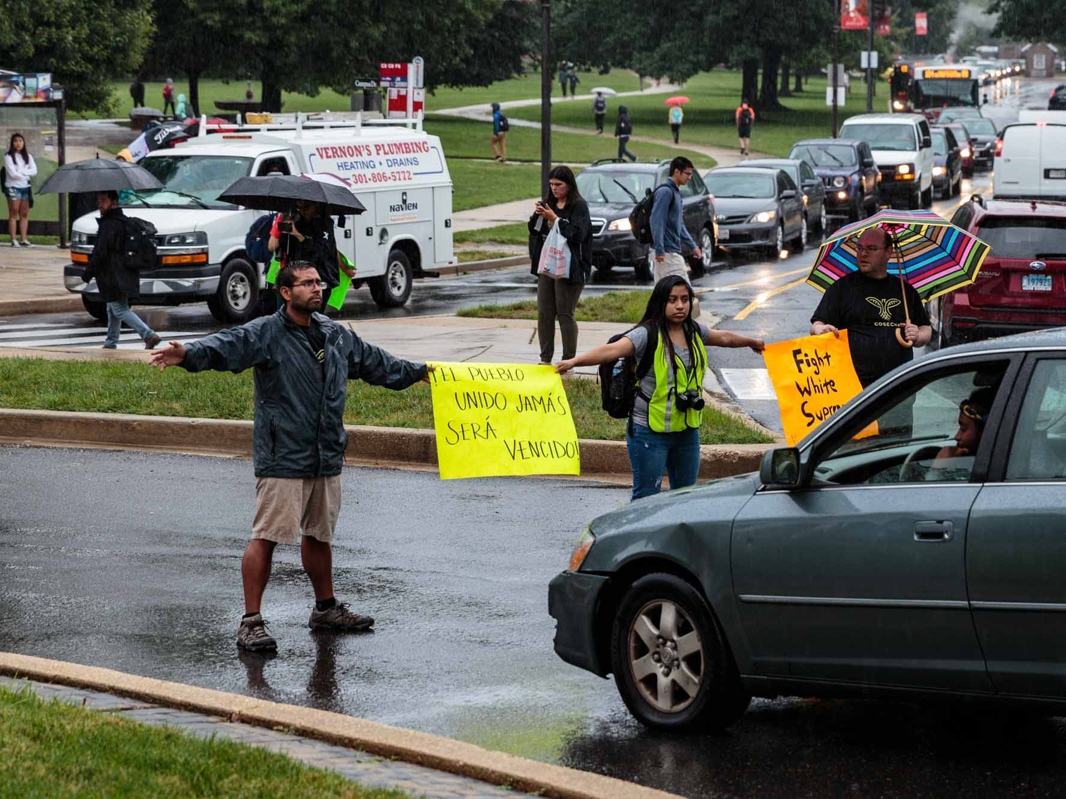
[955,462]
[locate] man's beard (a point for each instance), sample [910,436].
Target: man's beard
[313,304]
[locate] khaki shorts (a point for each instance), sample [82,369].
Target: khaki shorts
[674,264]
[285,507]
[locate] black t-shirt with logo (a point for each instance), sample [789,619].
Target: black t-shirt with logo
[316,337]
[871,309]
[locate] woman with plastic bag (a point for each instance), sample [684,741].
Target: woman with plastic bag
[560,240]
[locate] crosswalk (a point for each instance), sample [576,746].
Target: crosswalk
[55,334]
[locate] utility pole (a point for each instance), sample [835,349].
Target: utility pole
[836,59]
[545,95]
[869,57]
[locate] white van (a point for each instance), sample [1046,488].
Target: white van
[902,146]
[1030,160]
[398,173]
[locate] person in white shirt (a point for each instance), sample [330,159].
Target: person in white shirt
[19,167]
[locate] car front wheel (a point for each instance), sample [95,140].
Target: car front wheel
[95,308]
[669,660]
[392,289]
[238,290]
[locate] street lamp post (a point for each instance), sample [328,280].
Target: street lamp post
[545,94]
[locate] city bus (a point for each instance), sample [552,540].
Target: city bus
[928,89]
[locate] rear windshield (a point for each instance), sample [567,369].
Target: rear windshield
[981,126]
[614,186]
[741,184]
[1024,237]
[825,154]
[882,137]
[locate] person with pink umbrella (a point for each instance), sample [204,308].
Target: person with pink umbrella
[676,116]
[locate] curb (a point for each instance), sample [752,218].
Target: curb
[366,445]
[424,749]
[43,305]
[489,265]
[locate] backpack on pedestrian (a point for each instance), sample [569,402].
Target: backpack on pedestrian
[620,378]
[138,249]
[640,217]
[745,118]
[257,238]
[504,124]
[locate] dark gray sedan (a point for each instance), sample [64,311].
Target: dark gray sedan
[921,557]
[802,174]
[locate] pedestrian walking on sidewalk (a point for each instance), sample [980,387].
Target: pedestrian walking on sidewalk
[599,110]
[303,362]
[676,116]
[663,431]
[573,80]
[498,141]
[745,118]
[19,168]
[564,77]
[565,208]
[668,231]
[117,284]
[623,129]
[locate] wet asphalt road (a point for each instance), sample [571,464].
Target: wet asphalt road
[130,561]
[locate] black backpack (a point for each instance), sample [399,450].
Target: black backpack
[138,248]
[620,378]
[504,124]
[257,239]
[745,117]
[640,217]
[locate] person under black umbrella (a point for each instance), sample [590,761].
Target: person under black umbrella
[307,235]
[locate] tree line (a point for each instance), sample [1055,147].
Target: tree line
[307,45]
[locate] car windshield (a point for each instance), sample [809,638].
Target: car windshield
[966,112]
[1024,237]
[882,137]
[940,143]
[830,155]
[981,126]
[185,177]
[614,186]
[741,184]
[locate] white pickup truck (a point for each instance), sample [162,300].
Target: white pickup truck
[397,172]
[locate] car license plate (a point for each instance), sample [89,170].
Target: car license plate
[1056,174]
[1036,282]
[723,234]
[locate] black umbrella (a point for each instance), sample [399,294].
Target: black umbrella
[99,174]
[280,192]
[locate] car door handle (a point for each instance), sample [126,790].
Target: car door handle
[933,531]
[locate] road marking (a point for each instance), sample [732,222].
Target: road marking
[749,384]
[51,335]
[755,282]
[766,295]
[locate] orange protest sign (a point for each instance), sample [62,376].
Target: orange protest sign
[813,378]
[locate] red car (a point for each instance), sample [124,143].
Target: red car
[1022,284]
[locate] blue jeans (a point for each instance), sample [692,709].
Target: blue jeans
[119,312]
[651,452]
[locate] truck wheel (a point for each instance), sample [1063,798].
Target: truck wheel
[238,290]
[96,309]
[392,289]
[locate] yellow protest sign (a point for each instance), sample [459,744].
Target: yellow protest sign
[813,377]
[496,419]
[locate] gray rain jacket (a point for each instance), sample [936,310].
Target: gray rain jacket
[299,404]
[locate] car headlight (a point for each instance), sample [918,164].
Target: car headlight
[191,239]
[620,224]
[720,218]
[763,216]
[904,169]
[897,105]
[965,152]
[938,171]
[842,195]
[840,181]
[79,238]
[581,549]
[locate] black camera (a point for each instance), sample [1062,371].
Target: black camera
[285,227]
[690,400]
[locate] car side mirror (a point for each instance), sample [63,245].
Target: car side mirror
[780,468]
[788,194]
[927,141]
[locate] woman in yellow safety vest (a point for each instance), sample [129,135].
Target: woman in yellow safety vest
[663,428]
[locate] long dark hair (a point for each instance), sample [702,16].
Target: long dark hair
[654,319]
[25,150]
[566,175]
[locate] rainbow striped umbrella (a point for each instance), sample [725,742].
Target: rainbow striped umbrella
[933,255]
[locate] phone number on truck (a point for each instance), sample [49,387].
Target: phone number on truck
[396,176]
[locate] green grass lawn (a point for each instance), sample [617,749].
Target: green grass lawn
[518,233]
[479,183]
[466,256]
[614,306]
[465,138]
[123,387]
[54,750]
[520,88]
[709,116]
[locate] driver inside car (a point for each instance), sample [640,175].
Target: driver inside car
[955,462]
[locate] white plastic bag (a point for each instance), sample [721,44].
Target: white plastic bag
[555,256]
